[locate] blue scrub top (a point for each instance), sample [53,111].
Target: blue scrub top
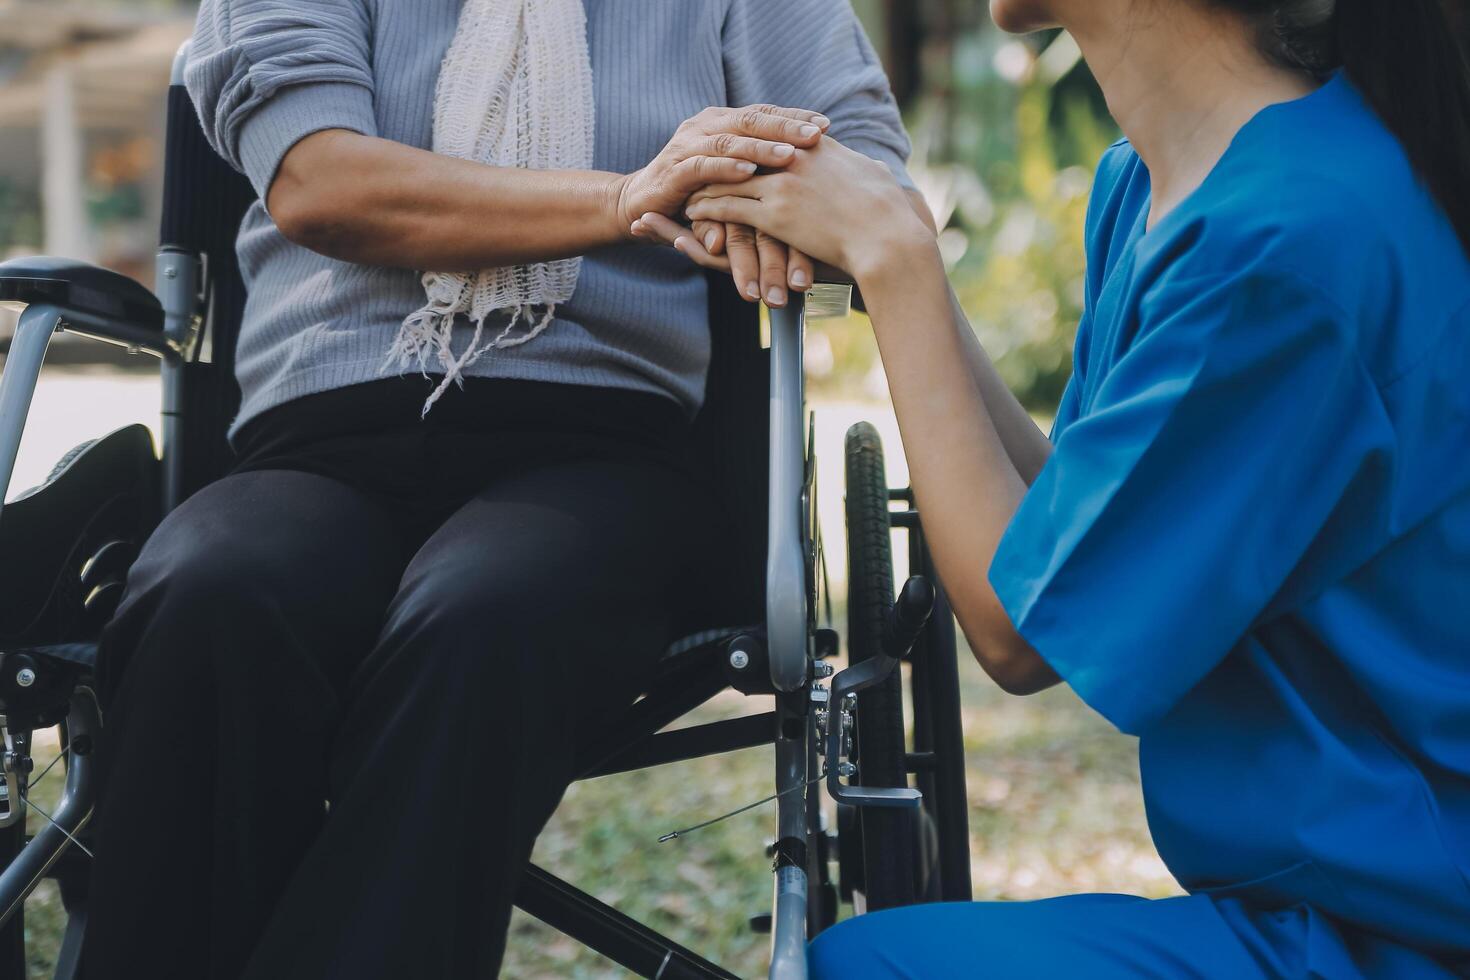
[1251,546]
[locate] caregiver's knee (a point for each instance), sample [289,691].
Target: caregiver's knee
[846,951]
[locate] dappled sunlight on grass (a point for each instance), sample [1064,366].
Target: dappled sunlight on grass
[1055,805]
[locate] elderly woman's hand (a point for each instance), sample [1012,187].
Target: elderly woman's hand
[762,267]
[717,146]
[831,203]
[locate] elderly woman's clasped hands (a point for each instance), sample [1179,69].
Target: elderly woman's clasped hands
[749,182]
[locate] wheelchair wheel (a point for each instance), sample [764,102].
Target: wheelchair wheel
[890,871]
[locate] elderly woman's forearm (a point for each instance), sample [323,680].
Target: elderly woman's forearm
[376,202]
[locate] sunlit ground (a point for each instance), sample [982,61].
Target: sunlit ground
[1054,793]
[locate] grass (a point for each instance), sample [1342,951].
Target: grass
[1054,808]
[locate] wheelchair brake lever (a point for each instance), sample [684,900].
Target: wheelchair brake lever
[902,627]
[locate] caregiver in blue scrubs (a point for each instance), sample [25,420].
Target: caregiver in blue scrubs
[1248,538]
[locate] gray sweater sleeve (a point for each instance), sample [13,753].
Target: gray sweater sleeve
[264,74]
[814,54]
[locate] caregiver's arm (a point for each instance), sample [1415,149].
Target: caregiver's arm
[967,481]
[1026,445]
[970,464]
[972,449]
[373,201]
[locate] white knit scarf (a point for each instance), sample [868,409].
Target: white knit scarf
[515,90]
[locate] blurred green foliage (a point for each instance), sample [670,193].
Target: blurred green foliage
[1026,118]
[1007,133]
[115,205]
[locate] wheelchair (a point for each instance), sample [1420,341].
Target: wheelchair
[66,546]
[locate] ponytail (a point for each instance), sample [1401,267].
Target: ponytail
[1409,58]
[1410,61]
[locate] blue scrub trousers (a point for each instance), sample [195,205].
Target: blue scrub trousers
[1107,937]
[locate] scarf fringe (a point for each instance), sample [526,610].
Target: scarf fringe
[514,90]
[431,330]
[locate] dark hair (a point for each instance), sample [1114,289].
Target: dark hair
[1408,58]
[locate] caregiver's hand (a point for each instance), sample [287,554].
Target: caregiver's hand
[717,146]
[763,267]
[831,203]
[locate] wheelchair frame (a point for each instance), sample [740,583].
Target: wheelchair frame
[785,658]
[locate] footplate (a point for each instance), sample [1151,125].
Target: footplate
[905,622]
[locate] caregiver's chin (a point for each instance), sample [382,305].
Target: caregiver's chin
[1021,16]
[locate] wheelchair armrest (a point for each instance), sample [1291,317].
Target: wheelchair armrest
[92,301]
[786,568]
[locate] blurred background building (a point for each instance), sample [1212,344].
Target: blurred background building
[81,126]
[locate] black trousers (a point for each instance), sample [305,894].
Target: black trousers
[347,682]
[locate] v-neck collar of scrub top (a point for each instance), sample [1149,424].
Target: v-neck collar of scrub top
[1145,247]
[1242,136]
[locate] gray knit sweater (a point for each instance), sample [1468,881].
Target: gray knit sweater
[266,73]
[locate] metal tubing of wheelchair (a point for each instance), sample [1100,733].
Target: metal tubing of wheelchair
[18,384]
[83,722]
[786,633]
[688,687]
[171,424]
[789,899]
[177,289]
[603,928]
[785,562]
[816,878]
[691,743]
[69,956]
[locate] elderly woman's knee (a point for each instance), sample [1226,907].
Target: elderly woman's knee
[467,620]
[183,589]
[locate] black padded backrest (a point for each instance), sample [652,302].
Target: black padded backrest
[204,201]
[732,452]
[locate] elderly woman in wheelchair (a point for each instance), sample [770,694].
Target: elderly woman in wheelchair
[348,682]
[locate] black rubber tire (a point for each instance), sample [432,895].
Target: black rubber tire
[890,838]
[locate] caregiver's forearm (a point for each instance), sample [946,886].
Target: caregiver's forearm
[1027,446]
[966,483]
[376,202]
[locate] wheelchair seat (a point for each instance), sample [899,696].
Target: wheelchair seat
[78,287]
